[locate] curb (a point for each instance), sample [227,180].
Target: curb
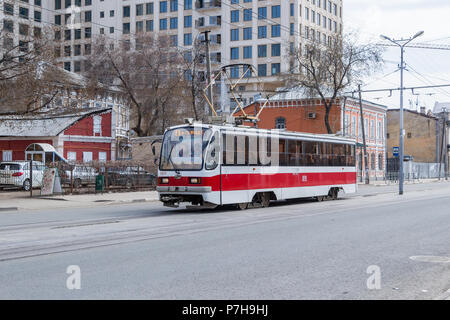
[136,200]
[9,209]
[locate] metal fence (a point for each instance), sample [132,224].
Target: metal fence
[106,176]
[80,177]
[414,170]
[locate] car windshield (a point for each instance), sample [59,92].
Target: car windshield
[183,148]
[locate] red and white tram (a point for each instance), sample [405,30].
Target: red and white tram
[212,165]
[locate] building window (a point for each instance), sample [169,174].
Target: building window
[77,66]
[248,52]
[139,26]
[234,72]
[88,16]
[126,11]
[149,8]
[23,12]
[276,12]
[102,156]
[247,14]
[87,156]
[262,32]
[188,39]
[97,125]
[174,23]
[162,24]
[276,50]
[72,155]
[77,34]
[262,51]
[173,5]
[276,30]
[234,35]
[126,28]
[280,123]
[163,6]
[380,161]
[37,16]
[235,16]
[140,9]
[262,13]
[234,53]
[187,21]
[248,33]
[262,70]
[149,25]
[275,68]
[187,4]
[7,155]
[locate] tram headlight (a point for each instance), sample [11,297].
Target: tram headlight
[164,180]
[194,180]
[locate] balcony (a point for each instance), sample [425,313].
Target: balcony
[216,57]
[213,21]
[205,5]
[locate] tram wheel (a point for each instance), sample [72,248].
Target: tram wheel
[333,195]
[264,199]
[242,206]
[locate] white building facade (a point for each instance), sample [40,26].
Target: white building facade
[257,32]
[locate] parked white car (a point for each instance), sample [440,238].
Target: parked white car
[81,176]
[17,174]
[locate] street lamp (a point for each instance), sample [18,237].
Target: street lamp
[401,43]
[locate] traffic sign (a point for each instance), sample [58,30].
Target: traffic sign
[395,151]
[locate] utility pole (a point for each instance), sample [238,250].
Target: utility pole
[208,70]
[443,154]
[446,144]
[401,43]
[366,157]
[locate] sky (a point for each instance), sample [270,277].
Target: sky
[399,19]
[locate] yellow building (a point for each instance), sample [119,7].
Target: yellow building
[422,135]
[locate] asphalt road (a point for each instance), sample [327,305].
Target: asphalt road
[291,250]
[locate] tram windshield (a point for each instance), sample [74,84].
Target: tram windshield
[183,148]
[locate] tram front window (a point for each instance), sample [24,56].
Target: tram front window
[183,148]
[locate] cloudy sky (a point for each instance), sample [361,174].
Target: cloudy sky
[402,19]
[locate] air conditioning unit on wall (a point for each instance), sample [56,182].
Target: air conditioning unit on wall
[311,115]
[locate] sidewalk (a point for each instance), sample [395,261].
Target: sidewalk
[390,182]
[10,201]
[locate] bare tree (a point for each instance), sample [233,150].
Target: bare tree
[150,75]
[194,78]
[29,80]
[325,70]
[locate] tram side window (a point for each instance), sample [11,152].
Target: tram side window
[240,149]
[293,152]
[350,155]
[282,152]
[252,150]
[340,155]
[311,149]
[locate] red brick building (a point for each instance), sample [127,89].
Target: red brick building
[292,112]
[86,136]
